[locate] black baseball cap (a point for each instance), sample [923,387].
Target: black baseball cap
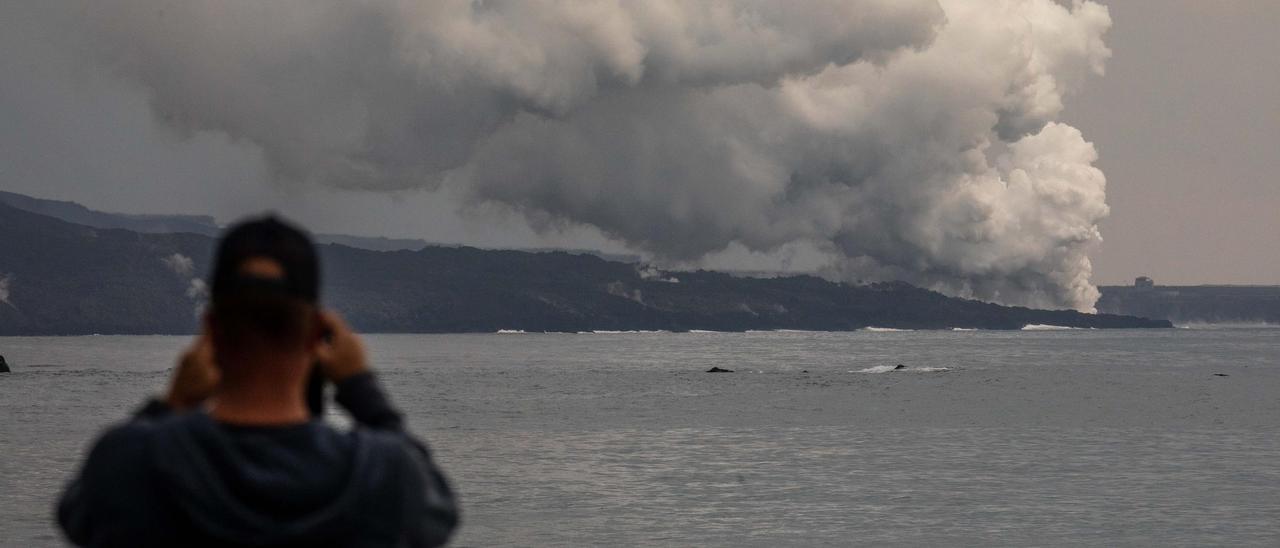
[275,239]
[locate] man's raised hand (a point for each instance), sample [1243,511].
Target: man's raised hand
[196,377]
[343,355]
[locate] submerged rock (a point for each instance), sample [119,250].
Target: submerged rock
[899,367]
[719,370]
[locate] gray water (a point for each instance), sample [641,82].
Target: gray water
[987,438]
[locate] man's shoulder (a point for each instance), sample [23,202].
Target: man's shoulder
[129,436]
[381,442]
[132,437]
[387,454]
[120,458]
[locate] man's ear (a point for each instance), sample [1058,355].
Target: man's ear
[319,333]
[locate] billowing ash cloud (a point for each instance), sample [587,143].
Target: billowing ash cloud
[910,139]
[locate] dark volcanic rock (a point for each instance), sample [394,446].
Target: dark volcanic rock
[4,367]
[130,290]
[719,370]
[899,367]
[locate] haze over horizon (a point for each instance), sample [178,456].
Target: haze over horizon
[1184,121]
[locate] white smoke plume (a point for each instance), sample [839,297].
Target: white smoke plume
[651,273]
[909,139]
[185,267]
[198,292]
[4,290]
[197,289]
[180,264]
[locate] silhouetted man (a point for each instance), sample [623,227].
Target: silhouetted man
[233,456]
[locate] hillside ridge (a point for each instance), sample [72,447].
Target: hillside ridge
[69,279]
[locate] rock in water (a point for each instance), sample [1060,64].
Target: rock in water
[4,367]
[899,367]
[719,370]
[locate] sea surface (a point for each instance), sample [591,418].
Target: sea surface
[1047,437]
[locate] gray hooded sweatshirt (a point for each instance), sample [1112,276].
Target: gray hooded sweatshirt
[165,479]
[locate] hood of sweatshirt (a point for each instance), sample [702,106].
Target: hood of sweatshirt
[298,484]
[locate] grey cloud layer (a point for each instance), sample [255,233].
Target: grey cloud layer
[910,140]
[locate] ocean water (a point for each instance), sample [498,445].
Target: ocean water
[1050,437]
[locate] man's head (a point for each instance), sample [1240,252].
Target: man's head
[264,289]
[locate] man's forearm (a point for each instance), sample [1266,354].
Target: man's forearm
[361,396]
[432,514]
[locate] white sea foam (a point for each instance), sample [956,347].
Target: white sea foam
[963,329]
[510,331]
[1045,327]
[885,329]
[1228,325]
[891,368]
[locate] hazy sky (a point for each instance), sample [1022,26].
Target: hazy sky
[1187,126]
[1186,123]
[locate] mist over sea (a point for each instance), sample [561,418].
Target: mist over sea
[1052,437]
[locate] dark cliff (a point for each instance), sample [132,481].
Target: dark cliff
[65,278]
[1195,303]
